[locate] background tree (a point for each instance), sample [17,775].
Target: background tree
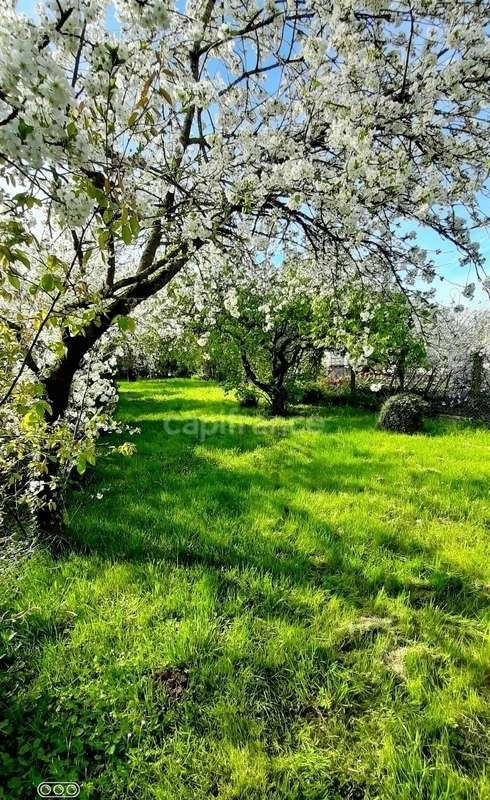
[157,348]
[375,329]
[259,328]
[459,356]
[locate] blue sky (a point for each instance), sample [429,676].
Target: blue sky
[446,261]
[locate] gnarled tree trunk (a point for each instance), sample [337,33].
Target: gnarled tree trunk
[59,381]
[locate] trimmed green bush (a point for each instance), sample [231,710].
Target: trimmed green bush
[403,413]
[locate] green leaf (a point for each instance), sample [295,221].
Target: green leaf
[96,194]
[163,92]
[103,238]
[81,464]
[36,413]
[24,199]
[18,255]
[47,282]
[126,324]
[41,406]
[106,216]
[87,255]
[24,130]
[58,348]
[133,118]
[14,280]
[71,130]
[54,263]
[134,224]
[127,234]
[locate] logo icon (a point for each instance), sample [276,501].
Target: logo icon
[58,789]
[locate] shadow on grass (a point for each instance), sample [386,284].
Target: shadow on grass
[173,502]
[136,405]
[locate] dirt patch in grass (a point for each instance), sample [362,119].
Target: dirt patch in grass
[174,680]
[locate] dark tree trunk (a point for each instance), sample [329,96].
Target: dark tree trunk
[401,368]
[352,381]
[429,383]
[58,383]
[278,397]
[476,382]
[275,390]
[58,387]
[50,521]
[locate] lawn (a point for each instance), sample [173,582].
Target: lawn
[258,609]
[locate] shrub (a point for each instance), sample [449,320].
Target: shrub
[320,392]
[313,393]
[248,397]
[403,413]
[365,398]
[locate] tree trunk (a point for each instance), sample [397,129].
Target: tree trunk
[50,521]
[401,370]
[58,383]
[278,401]
[352,381]
[476,382]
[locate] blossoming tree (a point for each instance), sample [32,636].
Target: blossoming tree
[195,129]
[380,328]
[459,355]
[259,326]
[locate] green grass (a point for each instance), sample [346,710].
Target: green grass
[322,587]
